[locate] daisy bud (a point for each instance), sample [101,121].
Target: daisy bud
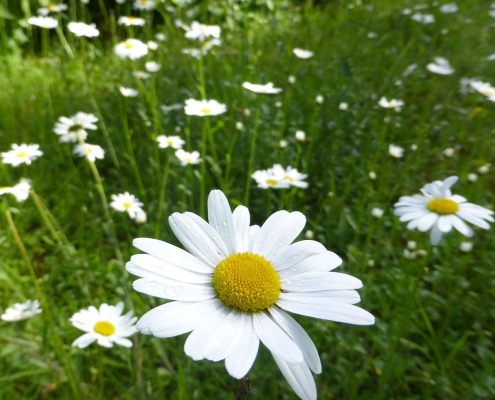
[283,144]
[372,175]
[377,212]
[472,177]
[448,152]
[343,106]
[239,126]
[291,79]
[309,234]
[466,247]
[319,99]
[300,136]
[411,245]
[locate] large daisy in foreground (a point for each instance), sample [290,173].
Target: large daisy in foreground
[233,288]
[439,210]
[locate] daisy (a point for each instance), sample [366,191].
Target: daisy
[187,158]
[131,48]
[43,22]
[409,70]
[204,108]
[192,52]
[466,85]
[152,45]
[152,66]
[395,151]
[52,8]
[105,325]
[128,92]
[290,175]
[90,151]
[264,89]
[300,53]
[127,202]
[20,191]
[439,210]
[267,179]
[144,4]
[141,74]
[21,154]
[22,311]
[70,128]
[207,45]
[170,141]
[81,29]
[441,66]
[343,106]
[202,31]
[423,18]
[483,88]
[131,21]
[236,285]
[449,8]
[395,104]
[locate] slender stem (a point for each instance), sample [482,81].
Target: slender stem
[242,388]
[161,201]
[251,157]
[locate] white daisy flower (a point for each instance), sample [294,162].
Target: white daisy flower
[264,89]
[141,74]
[439,210]
[81,29]
[441,66]
[21,154]
[90,151]
[144,4]
[180,24]
[409,70]
[343,106]
[187,158]
[466,85]
[170,141]
[161,36]
[192,52]
[395,151]
[207,45]
[131,48]
[43,22]
[449,8]
[267,179]
[395,104]
[290,175]
[423,18]
[106,325]
[70,128]
[236,285]
[202,31]
[304,54]
[22,311]
[20,191]
[204,108]
[491,57]
[152,45]
[131,21]
[52,8]
[127,202]
[483,88]
[152,66]
[128,92]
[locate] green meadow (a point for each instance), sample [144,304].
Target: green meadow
[66,247]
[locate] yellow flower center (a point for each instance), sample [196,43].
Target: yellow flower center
[128,45]
[443,206]
[206,111]
[288,178]
[104,328]
[131,18]
[247,282]
[89,150]
[144,2]
[22,154]
[75,128]
[127,205]
[170,142]
[271,182]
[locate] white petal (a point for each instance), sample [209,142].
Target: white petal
[220,218]
[197,236]
[426,222]
[240,361]
[321,297]
[458,199]
[201,334]
[148,266]
[299,335]
[314,281]
[318,263]
[122,341]
[435,235]
[444,224]
[277,233]
[84,340]
[296,253]
[176,318]
[408,209]
[241,220]
[413,215]
[331,310]
[171,254]
[275,339]
[172,290]
[104,341]
[253,232]
[299,377]
[461,226]
[469,217]
[225,337]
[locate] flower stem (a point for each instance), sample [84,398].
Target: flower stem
[242,388]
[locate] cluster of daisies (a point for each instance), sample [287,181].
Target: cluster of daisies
[279,177]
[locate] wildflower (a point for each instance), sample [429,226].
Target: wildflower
[395,151]
[207,45]
[204,108]
[343,106]
[22,311]
[273,276]
[300,53]
[483,88]
[290,175]
[449,152]
[239,126]
[491,57]
[187,158]
[144,5]
[414,147]
[319,99]
[161,37]
[440,66]
[106,325]
[372,35]
[449,8]
[192,52]
[466,85]
[43,22]
[278,104]
[71,128]
[300,136]
[264,89]
[131,48]
[81,29]
[439,210]
[126,202]
[152,66]
[410,255]
[170,141]
[411,245]
[202,31]
[377,212]
[291,79]
[472,177]
[44,11]
[484,168]
[266,179]
[90,151]
[466,247]
[167,109]
[395,104]
[409,70]
[131,21]
[141,74]
[21,154]
[152,45]
[423,18]
[372,175]
[128,92]
[283,144]
[20,191]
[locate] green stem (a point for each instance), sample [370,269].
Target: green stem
[161,201]
[251,157]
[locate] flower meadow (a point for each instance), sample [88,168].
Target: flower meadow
[247,199]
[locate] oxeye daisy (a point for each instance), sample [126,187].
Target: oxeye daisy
[439,210]
[267,179]
[127,202]
[81,29]
[264,89]
[235,285]
[43,22]
[131,49]
[301,53]
[22,311]
[21,154]
[290,175]
[20,191]
[394,103]
[204,108]
[70,128]
[90,151]
[202,31]
[131,21]
[105,325]
[441,66]
[170,141]
[187,158]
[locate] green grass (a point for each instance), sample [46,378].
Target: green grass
[434,314]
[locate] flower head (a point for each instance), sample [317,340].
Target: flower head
[395,151]
[131,48]
[441,66]
[128,92]
[187,158]
[105,325]
[90,151]
[290,175]
[70,128]
[21,154]
[21,311]
[81,29]
[204,108]
[20,191]
[43,22]
[449,8]
[152,66]
[423,18]
[395,104]
[170,141]
[144,5]
[483,88]
[127,202]
[131,21]
[52,8]
[264,89]
[300,53]
[202,31]
[237,283]
[439,210]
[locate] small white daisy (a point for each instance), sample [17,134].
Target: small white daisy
[106,325]
[343,106]
[483,88]
[395,151]
[187,158]
[131,21]
[290,175]
[81,29]
[90,151]
[202,31]
[439,210]
[127,202]
[423,18]
[192,52]
[449,8]
[441,66]
[131,48]
[267,179]
[52,8]
[144,5]
[466,85]
[304,54]
[395,104]
[43,22]
[128,92]
[204,108]
[409,70]
[236,285]
[20,191]
[264,89]
[170,141]
[22,311]
[70,128]
[171,107]
[152,66]
[21,154]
